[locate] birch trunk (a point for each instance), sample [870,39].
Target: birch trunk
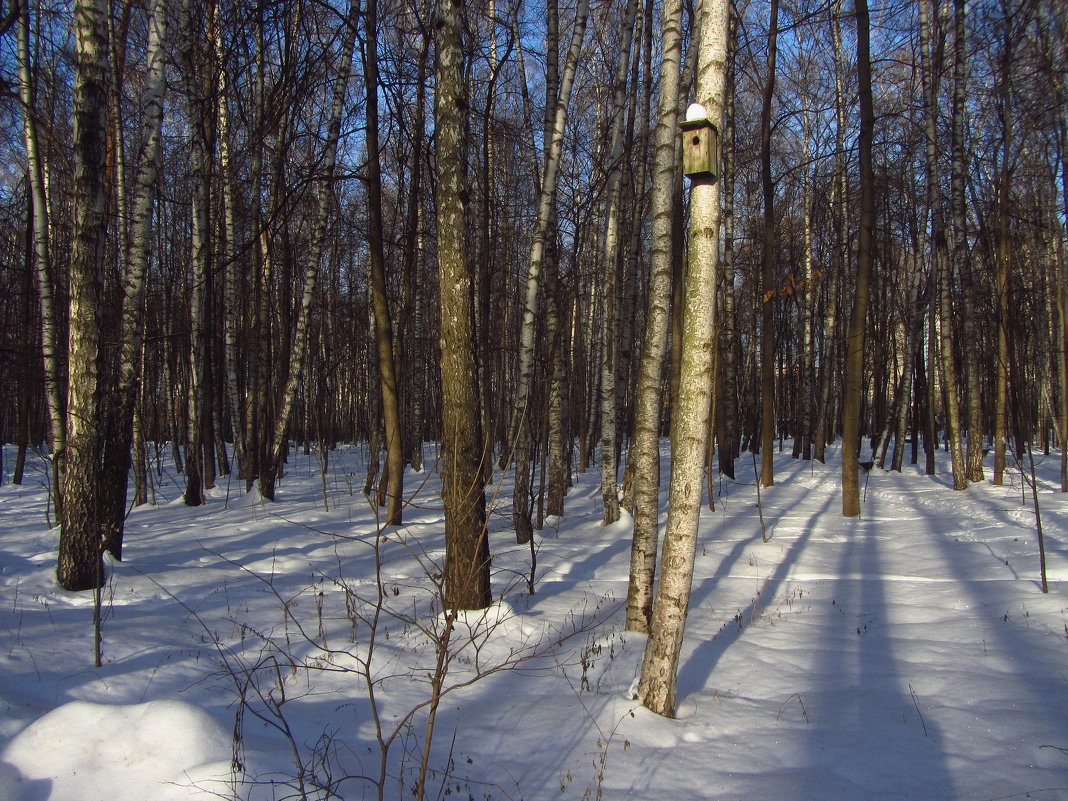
[627,385]
[234,406]
[51,348]
[940,268]
[1062,294]
[1001,387]
[610,253]
[557,444]
[80,565]
[645,450]
[913,351]
[840,215]
[521,515]
[656,686]
[727,377]
[411,304]
[803,434]
[257,414]
[200,88]
[117,450]
[312,263]
[194,476]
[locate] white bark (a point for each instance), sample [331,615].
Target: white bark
[314,256]
[656,687]
[230,275]
[42,269]
[546,202]
[940,268]
[644,452]
[610,265]
[80,565]
[136,241]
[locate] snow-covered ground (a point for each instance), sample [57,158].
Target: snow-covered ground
[907,654]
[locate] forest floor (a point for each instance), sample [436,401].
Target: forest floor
[905,654]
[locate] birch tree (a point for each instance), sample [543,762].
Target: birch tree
[138,248]
[645,451]
[51,347]
[521,515]
[201,87]
[840,214]
[80,564]
[609,263]
[933,47]
[689,434]
[960,250]
[313,259]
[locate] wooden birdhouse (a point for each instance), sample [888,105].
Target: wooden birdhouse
[700,145]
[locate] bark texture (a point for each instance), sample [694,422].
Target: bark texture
[645,449]
[852,400]
[467,558]
[656,687]
[80,564]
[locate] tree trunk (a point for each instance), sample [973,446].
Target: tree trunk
[610,253]
[767,267]
[940,269]
[234,406]
[829,368]
[200,87]
[391,416]
[117,450]
[961,251]
[410,357]
[51,348]
[80,556]
[727,374]
[467,559]
[521,515]
[1001,387]
[656,686]
[852,399]
[312,264]
[645,449]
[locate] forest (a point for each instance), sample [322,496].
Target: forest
[487,237]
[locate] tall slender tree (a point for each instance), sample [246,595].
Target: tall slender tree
[467,559]
[80,542]
[933,47]
[767,264]
[852,400]
[313,259]
[138,249]
[610,256]
[52,350]
[522,416]
[961,250]
[689,427]
[644,452]
[387,371]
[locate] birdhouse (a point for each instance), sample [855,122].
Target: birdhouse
[700,146]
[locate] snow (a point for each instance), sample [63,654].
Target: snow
[905,654]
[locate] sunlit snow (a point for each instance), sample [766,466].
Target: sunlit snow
[907,654]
